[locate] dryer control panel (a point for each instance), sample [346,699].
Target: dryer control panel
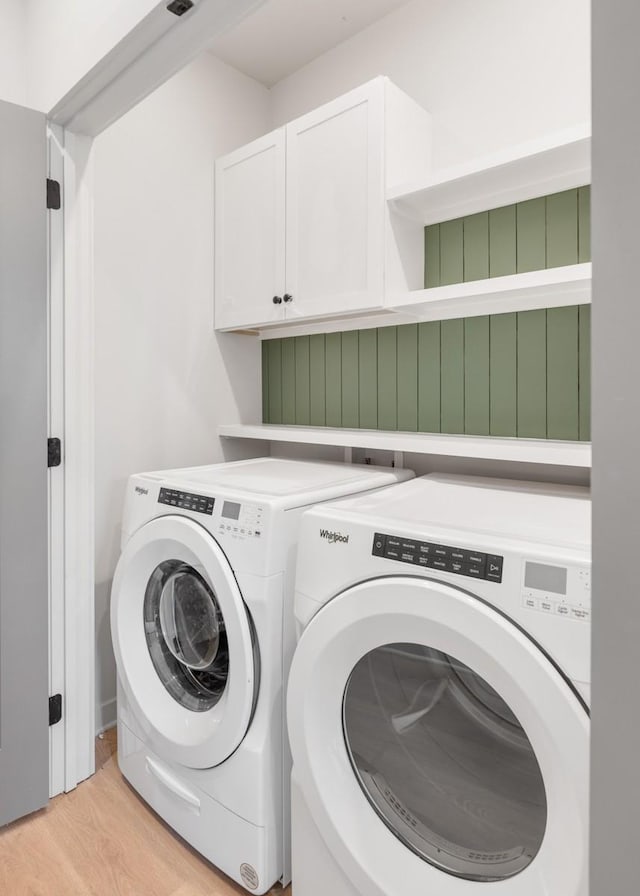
[462,561]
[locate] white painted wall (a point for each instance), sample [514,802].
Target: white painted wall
[164,380]
[491,73]
[68,37]
[13,48]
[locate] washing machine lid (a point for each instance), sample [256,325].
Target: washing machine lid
[541,512]
[280,478]
[437,746]
[184,643]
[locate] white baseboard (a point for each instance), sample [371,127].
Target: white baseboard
[106,715]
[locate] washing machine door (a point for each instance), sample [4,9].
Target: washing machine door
[438,747]
[184,644]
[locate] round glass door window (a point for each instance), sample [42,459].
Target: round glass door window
[186,635]
[444,762]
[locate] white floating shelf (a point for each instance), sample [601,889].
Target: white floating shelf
[539,451]
[559,162]
[551,288]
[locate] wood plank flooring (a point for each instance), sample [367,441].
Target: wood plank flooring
[103,840]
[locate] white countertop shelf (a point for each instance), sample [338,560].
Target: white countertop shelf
[540,451]
[558,162]
[550,288]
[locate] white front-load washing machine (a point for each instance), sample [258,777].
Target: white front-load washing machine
[438,696]
[203,632]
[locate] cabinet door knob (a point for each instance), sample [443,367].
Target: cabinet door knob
[287,298]
[277,300]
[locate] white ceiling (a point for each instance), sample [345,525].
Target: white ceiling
[283,35]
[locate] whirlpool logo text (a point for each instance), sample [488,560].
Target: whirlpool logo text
[334,537]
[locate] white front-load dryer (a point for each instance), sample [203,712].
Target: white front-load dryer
[203,633]
[438,696]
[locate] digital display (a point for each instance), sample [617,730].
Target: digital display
[230,510]
[545,578]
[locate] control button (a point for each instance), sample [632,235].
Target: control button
[456,566]
[391,553]
[407,557]
[393,542]
[378,545]
[562,610]
[408,545]
[546,605]
[474,557]
[494,567]
[473,570]
[440,551]
[426,548]
[530,602]
[581,613]
[457,554]
[424,561]
[438,563]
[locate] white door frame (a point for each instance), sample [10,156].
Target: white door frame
[158,47]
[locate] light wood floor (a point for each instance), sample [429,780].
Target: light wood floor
[103,840]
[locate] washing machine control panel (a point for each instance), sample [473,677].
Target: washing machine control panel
[462,561]
[561,591]
[186,500]
[240,521]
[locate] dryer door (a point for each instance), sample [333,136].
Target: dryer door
[437,746]
[183,642]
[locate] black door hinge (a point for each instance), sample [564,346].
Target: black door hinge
[179,7]
[55,709]
[53,194]
[54,453]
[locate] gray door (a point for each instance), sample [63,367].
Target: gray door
[24,740]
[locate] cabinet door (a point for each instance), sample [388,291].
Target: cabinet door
[249,233]
[335,206]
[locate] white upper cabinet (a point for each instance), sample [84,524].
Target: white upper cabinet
[301,214]
[250,234]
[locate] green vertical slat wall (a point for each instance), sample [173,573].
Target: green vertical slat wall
[333,378]
[288,381]
[524,374]
[350,380]
[452,376]
[547,232]
[303,407]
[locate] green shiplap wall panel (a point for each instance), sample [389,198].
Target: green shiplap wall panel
[333,379]
[452,376]
[317,387]
[523,374]
[265,381]
[531,241]
[275,381]
[432,256]
[562,228]
[350,380]
[303,417]
[289,381]
[584,370]
[584,224]
[368,378]
[408,378]
[451,252]
[562,374]
[502,241]
[387,378]
[503,375]
[429,377]
[476,246]
[476,375]
[532,374]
